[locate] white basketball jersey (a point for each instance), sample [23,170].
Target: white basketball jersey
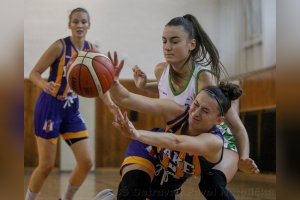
[185,95]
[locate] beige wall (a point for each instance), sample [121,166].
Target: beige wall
[134,28]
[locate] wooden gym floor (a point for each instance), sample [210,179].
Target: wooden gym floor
[243,186]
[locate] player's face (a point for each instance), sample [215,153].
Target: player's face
[79,24]
[204,113]
[176,45]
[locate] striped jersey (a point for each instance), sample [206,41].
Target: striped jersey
[181,164]
[58,68]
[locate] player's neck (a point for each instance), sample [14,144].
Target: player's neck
[77,42]
[181,76]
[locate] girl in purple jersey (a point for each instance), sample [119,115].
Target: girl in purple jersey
[57,109]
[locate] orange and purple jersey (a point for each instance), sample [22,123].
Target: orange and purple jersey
[171,168]
[58,69]
[58,113]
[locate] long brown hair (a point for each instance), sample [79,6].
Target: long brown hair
[205,53]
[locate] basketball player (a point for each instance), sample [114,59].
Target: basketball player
[56,110]
[187,50]
[158,162]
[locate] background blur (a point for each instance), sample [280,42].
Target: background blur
[243,31]
[227,22]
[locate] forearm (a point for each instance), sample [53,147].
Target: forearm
[151,87]
[119,93]
[37,79]
[242,142]
[206,144]
[238,130]
[107,99]
[162,140]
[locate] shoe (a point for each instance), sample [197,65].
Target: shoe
[106,194]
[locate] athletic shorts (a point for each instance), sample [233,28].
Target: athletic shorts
[229,140]
[143,154]
[53,117]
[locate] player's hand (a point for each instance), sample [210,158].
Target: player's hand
[50,87]
[126,127]
[248,166]
[140,78]
[115,110]
[118,66]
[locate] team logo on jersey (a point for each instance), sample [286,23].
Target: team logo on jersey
[48,126]
[174,161]
[151,151]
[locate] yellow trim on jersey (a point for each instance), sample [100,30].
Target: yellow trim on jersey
[53,140]
[139,160]
[176,122]
[165,161]
[197,165]
[60,69]
[72,135]
[73,54]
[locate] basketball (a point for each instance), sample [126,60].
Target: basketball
[90,74]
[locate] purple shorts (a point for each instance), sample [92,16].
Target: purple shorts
[53,117]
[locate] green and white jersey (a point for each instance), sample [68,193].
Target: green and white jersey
[185,95]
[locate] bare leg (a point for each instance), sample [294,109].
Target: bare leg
[83,156]
[47,154]
[229,164]
[213,182]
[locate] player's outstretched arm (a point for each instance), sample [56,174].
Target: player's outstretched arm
[165,108]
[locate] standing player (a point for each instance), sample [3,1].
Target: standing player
[57,109]
[187,48]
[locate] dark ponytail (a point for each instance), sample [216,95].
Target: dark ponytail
[224,94]
[205,52]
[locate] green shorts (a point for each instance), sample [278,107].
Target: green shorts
[229,140]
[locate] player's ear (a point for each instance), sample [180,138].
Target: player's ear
[219,120]
[192,44]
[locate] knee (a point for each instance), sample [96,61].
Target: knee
[86,165]
[45,168]
[213,185]
[212,180]
[134,185]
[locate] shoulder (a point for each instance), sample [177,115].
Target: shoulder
[213,140]
[205,77]
[55,49]
[159,69]
[58,45]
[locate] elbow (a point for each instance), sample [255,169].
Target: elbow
[31,75]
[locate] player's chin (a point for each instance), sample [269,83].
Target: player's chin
[169,59]
[80,35]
